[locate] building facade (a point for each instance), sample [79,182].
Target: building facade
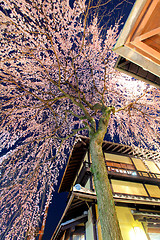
[134,176]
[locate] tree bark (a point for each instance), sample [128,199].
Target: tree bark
[106,207]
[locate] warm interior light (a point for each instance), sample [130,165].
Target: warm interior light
[139,234]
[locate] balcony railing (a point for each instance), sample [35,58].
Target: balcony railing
[120,172]
[133,172]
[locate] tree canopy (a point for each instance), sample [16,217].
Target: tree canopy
[57,78]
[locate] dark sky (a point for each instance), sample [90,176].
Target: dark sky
[59,200]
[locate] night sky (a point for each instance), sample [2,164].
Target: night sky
[59,200]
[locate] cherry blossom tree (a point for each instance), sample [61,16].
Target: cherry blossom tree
[57,79]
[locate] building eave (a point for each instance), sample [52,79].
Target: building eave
[134,49]
[134,14]
[81,196]
[81,146]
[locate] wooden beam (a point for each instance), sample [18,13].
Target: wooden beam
[147,34]
[146,48]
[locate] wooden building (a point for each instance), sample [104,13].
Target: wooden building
[139,42]
[135,180]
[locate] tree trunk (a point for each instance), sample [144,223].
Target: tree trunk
[106,207]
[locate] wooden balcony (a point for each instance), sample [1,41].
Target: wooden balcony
[126,172]
[133,175]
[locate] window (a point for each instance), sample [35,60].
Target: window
[139,165]
[79,233]
[152,167]
[153,190]
[78,237]
[129,188]
[117,158]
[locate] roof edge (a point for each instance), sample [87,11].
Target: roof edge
[133,16]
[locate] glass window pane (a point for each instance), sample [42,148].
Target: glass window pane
[139,164]
[153,190]
[117,158]
[128,188]
[152,167]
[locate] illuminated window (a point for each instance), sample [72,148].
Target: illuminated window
[78,237]
[139,164]
[79,233]
[152,167]
[153,190]
[130,188]
[117,158]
